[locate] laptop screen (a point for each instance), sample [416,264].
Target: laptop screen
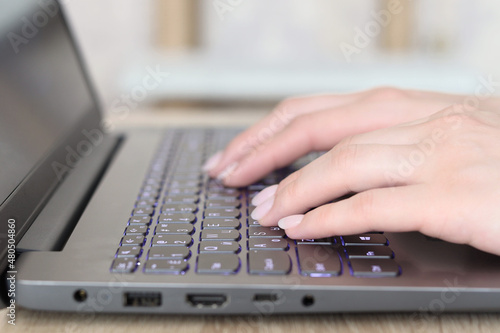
[45,104]
[42,92]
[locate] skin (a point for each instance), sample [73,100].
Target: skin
[416,161]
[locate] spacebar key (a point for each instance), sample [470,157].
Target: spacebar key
[268,262]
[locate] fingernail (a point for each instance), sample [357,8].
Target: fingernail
[227,171]
[264,195]
[212,161]
[290,221]
[261,210]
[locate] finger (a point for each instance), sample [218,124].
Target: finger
[394,209]
[341,171]
[315,131]
[281,116]
[404,134]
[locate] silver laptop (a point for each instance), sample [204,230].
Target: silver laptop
[128,223]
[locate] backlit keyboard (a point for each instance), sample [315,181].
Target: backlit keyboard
[182,222]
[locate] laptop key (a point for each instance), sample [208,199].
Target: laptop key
[223,195]
[176,217]
[279,244]
[123,265]
[149,195]
[183,191]
[221,223]
[265,232]
[172,240]
[137,220]
[141,229]
[143,211]
[179,208]
[184,183]
[317,241]
[269,262]
[222,212]
[223,191]
[318,260]
[186,177]
[252,222]
[220,234]
[146,203]
[369,252]
[211,263]
[129,251]
[169,266]
[190,199]
[364,239]
[153,181]
[174,229]
[169,252]
[374,268]
[219,247]
[223,203]
[151,187]
[132,240]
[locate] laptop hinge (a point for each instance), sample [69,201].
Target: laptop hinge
[53,226]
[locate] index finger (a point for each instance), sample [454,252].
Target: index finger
[342,171]
[274,123]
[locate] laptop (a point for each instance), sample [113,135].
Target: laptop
[127,222]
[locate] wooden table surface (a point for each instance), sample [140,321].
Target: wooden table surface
[39,321]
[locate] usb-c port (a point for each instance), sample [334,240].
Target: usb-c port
[265,298]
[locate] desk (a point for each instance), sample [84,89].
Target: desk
[37,321]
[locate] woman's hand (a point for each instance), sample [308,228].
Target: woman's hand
[437,173]
[300,125]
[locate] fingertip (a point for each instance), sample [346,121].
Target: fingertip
[212,162]
[264,195]
[261,210]
[227,172]
[291,221]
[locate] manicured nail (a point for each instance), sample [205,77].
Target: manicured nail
[227,171]
[264,195]
[261,210]
[290,221]
[212,162]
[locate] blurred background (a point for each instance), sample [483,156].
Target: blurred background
[259,52]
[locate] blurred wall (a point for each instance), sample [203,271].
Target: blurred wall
[119,35]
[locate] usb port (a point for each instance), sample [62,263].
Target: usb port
[142,299]
[206,301]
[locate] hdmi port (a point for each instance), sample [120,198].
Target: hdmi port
[206,301]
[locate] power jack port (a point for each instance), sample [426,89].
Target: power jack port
[307,300]
[80,295]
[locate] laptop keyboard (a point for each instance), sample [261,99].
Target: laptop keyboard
[185,223]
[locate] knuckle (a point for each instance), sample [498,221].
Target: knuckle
[288,191]
[324,217]
[387,94]
[345,157]
[345,142]
[363,206]
[301,125]
[457,114]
